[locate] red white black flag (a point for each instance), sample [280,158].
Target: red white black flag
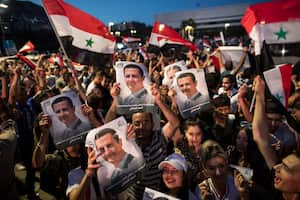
[84,37]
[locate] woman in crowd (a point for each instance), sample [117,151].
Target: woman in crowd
[190,146]
[174,174]
[219,184]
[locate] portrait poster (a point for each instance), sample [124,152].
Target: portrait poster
[68,124]
[151,194]
[233,53]
[191,91]
[121,159]
[135,94]
[170,70]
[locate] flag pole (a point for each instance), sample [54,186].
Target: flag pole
[56,33]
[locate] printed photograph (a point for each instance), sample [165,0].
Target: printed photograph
[170,71]
[191,92]
[135,87]
[120,158]
[68,124]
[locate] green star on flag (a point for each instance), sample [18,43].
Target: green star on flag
[278,97]
[281,34]
[89,42]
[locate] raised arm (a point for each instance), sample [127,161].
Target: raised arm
[241,63]
[173,121]
[244,104]
[14,87]
[79,192]
[39,153]
[260,127]
[111,113]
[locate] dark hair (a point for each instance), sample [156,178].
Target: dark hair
[230,77]
[133,66]
[211,149]
[148,113]
[192,122]
[187,74]
[221,100]
[183,192]
[100,74]
[228,65]
[107,131]
[63,98]
[251,153]
[271,107]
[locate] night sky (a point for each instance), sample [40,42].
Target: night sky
[143,10]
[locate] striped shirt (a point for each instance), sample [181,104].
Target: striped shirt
[154,153]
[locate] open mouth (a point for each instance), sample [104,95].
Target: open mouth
[277,180]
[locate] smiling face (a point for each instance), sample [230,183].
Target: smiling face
[110,148]
[172,177]
[187,86]
[133,79]
[64,112]
[287,174]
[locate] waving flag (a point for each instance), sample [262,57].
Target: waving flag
[84,37]
[162,35]
[27,47]
[276,22]
[279,82]
[130,39]
[26,60]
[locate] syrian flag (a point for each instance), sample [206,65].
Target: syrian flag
[163,35]
[28,47]
[26,60]
[206,43]
[275,22]
[84,37]
[279,82]
[130,39]
[57,60]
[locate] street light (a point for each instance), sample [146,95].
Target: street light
[3,5]
[133,31]
[188,32]
[110,24]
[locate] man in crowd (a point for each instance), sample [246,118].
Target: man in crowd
[287,172]
[152,143]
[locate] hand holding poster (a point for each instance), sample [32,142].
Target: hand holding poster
[69,125]
[191,92]
[120,159]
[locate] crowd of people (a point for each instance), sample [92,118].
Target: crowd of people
[189,158]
